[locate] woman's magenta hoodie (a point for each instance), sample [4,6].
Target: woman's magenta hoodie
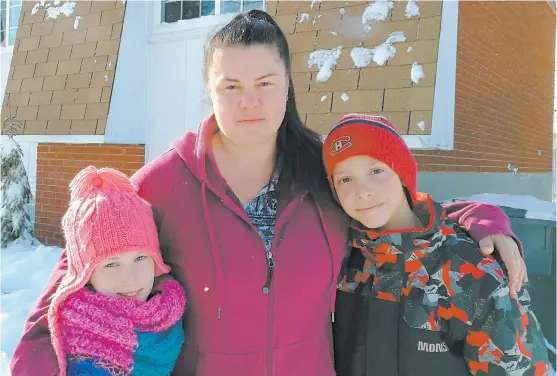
[232,326]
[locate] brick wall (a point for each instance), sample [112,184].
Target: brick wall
[62,70]
[504,83]
[57,164]
[384,90]
[504,89]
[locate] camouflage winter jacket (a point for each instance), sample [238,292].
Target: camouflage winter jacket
[428,302]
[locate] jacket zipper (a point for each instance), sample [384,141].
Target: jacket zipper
[267,287]
[270,313]
[267,291]
[270,267]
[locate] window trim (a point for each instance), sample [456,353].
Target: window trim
[8,48]
[160,30]
[443,119]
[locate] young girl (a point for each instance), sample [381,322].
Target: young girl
[116,311]
[415,295]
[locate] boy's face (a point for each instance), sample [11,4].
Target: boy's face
[128,275]
[368,190]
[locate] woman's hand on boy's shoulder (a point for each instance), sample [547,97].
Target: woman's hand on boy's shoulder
[510,254]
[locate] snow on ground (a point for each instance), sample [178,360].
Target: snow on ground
[535,208]
[24,271]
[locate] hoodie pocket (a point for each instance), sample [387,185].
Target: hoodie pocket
[311,357]
[218,364]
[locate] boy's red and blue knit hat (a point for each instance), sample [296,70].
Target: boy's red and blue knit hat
[374,136]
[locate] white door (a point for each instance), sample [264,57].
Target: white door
[178,100]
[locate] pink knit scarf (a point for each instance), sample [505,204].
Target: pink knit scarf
[105,327]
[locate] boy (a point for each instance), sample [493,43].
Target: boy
[415,295]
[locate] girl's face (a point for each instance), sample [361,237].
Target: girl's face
[369,191]
[248,88]
[128,275]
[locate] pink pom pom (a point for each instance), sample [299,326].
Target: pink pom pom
[91,178]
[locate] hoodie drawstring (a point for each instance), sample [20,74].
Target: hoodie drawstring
[329,244]
[214,251]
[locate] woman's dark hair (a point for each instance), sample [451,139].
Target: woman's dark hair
[299,146]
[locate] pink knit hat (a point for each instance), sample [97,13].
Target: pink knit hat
[105,217]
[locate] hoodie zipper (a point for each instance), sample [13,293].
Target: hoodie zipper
[270,313]
[270,267]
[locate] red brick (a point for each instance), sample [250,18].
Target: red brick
[504,103]
[57,164]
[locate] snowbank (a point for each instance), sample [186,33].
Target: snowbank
[535,208]
[24,271]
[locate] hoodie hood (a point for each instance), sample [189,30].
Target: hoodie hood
[196,151]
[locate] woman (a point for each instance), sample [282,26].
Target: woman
[259,265]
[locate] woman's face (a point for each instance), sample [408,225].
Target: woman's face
[248,88]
